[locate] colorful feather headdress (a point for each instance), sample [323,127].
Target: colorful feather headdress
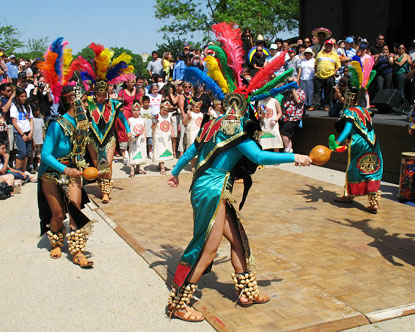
[56,67]
[106,69]
[224,70]
[361,74]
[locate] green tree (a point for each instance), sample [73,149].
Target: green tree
[187,17]
[10,39]
[37,45]
[86,53]
[173,45]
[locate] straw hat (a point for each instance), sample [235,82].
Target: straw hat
[326,31]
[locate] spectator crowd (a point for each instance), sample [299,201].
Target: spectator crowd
[164,104]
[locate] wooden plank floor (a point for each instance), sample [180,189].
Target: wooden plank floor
[326,266]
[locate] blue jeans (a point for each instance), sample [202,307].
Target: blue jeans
[24,149]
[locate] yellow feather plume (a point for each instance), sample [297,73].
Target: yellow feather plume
[356,65]
[123,57]
[215,73]
[67,60]
[128,70]
[102,63]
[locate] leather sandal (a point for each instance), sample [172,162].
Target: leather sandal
[187,314]
[81,260]
[56,253]
[261,298]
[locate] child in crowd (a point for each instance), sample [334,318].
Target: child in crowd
[217,110]
[146,114]
[193,121]
[137,144]
[270,113]
[162,134]
[4,160]
[6,172]
[38,125]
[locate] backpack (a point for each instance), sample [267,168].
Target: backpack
[5,190]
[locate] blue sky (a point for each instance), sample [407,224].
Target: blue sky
[129,24]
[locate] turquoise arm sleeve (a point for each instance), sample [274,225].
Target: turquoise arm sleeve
[346,132]
[121,116]
[184,160]
[51,139]
[252,151]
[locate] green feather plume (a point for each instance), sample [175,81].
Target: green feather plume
[353,78]
[226,70]
[371,77]
[274,82]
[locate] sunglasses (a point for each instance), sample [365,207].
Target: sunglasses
[8,90]
[187,87]
[401,48]
[307,42]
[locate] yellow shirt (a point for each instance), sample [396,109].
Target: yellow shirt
[326,64]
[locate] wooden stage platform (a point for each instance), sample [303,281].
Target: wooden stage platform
[326,266]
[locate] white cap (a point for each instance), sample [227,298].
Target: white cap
[309,50]
[273,47]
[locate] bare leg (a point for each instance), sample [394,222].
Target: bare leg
[110,157]
[174,144]
[8,178]
[75,194]
[19,164]
[231,233]
[287,142]
[211,245]
[57,207]
[162,168]
[56,204]
[24,165]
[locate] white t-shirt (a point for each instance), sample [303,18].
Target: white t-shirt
[156,67]
[23,118]
[147,114]
[307,69]
[38,125]
[155,102]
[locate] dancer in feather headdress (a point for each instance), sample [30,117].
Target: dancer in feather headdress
[103,112]
[365,163]
[60,183]
[225,150]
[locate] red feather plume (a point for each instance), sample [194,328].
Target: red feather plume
[97,48]
[264,74]
[230,39]
[82,65]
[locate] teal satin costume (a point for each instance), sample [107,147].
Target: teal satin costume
[56,156]
[365,162]
[217,155]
